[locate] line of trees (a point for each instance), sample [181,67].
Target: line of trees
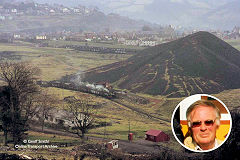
[45,104]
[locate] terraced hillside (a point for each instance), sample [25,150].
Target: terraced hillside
[198,63]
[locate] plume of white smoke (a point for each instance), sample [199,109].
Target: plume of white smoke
[77,79]
[92,86]
[97,87]
[101,88]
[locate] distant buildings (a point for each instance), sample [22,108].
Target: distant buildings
[30,8]
[38,37]
[145,42]
[145,37]
[234,34]
[148,42]
[17,36]
[65,10]
[132,42]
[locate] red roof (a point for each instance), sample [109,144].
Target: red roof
[153,132]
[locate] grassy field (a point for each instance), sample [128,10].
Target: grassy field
[57,62]
[59,43]
[231,98]
[120,116]
[234,43]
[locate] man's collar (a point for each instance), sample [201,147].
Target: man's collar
[197,147]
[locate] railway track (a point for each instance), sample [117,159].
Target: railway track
[109,95]
[140,111]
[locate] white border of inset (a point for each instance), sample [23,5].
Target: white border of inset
[193,102]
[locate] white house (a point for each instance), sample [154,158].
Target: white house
[52,11]
[56,116]
[66,10]
[147,42]
[131,42]
[14,10]
[2,18]
[76,10]
[41,37]
[17,36]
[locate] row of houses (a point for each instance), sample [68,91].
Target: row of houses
[139,38]
[31,8]
[97,38]
[141,42]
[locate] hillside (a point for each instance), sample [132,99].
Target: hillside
[198,63]
[95,22]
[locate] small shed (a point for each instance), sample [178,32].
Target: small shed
[112,144]
[156,136]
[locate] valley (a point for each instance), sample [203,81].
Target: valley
[133,112]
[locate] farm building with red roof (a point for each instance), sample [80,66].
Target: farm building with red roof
[156,136]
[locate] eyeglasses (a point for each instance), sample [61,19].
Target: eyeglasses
[199,123]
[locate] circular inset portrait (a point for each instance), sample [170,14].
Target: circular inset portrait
[201,123]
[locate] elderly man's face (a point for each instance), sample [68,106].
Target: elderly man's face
[204,134]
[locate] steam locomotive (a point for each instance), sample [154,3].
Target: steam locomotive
[97,89]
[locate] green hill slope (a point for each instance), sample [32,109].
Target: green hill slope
[97,22]
[198,63]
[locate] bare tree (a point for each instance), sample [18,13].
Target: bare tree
[83,115]
[45,104]
[21,89]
